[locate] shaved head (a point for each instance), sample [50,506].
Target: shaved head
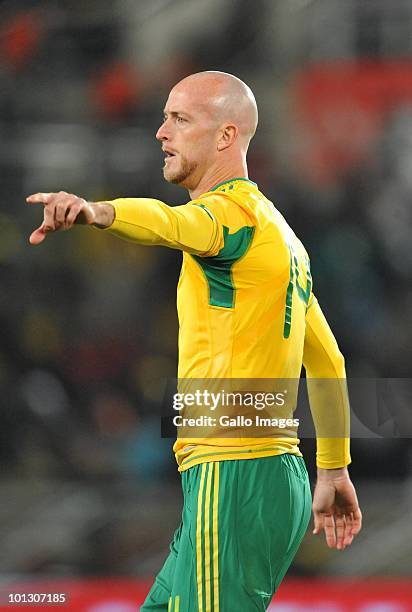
[225,98]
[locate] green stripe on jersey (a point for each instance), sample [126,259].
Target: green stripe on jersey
[237,452]
[218,269]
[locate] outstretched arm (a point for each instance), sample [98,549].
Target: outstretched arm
[335,505]
[143,220]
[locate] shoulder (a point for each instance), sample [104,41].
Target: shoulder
[234,226]
[226,209]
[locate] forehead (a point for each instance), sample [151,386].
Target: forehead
[188,100]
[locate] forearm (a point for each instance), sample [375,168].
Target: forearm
[151,222]
[327,390]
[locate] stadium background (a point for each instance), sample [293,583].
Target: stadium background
[88,490]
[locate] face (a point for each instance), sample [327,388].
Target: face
[188,136]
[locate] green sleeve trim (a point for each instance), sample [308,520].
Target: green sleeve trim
[218,269]
[206,210]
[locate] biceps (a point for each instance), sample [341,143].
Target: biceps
[321,357]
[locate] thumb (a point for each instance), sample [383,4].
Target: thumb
[38,235]
[318,523]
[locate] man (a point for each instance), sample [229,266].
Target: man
[246,311]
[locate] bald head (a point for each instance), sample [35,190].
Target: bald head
[225,98]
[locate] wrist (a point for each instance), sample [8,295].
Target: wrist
[103,214]
[326,475]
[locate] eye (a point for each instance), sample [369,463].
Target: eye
[180,119]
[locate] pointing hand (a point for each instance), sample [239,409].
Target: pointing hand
[61,211]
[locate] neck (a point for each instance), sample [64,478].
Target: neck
[214,176]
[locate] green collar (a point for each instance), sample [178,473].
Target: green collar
[232,181]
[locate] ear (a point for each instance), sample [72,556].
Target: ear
[227,136]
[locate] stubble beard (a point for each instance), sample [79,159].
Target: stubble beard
[178,176]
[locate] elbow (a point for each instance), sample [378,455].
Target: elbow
[339,363]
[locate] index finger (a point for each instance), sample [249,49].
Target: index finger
[40,198]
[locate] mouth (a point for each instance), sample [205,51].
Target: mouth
[168,154]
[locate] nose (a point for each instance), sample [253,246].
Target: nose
[163,132]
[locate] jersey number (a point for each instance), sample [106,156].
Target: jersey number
[294,284]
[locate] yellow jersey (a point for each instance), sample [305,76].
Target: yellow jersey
[246,312]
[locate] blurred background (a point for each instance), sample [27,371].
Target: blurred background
[88,328]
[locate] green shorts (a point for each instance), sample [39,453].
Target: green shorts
[242,524]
